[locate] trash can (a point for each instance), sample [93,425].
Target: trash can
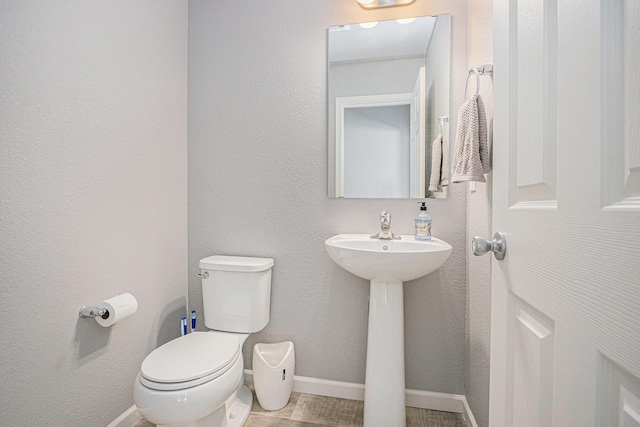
[273,366]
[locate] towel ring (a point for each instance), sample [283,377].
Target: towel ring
[466,86]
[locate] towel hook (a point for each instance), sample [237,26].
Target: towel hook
[441,121]
[466,86]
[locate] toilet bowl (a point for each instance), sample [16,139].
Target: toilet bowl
[197,380]
[188,378]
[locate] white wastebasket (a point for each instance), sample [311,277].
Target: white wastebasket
[273,366]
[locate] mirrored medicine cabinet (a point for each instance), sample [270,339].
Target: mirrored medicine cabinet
[388,83]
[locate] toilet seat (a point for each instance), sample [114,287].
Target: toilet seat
[188,361]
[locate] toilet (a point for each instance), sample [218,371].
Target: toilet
[197,380]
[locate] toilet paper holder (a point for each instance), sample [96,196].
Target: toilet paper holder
[111,311]
[89,311]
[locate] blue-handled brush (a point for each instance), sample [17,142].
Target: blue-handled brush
[183,327]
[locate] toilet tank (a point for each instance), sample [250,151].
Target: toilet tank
[236,293]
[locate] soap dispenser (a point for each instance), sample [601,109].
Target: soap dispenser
[423,223]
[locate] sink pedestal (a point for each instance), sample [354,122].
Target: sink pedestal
[384,392]
[387,264]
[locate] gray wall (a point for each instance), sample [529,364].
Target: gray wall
[93,196]
[93,174]
[479,224]
[258,185]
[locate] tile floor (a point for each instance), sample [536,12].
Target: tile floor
[308,410]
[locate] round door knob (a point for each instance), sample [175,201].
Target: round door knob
[498,246]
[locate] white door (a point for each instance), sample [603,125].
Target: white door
[565,347]
[417,132]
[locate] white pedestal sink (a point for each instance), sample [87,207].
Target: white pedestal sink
[386,263]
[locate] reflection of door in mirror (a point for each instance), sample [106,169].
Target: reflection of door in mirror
[375,153]
[373,75]
[417,135]
[372,152]
[372,133]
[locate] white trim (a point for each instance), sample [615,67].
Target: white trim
[391,99]
[128,419]
[469,419]
[329,388]
[436,401]
[339,150]
[415,398]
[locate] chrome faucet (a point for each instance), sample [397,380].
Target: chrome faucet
[385,232]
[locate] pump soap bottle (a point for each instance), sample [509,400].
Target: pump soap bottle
[423,223]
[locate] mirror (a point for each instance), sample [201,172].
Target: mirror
[388,85]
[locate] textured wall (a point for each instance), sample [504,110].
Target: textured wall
[93,202]
[479,224]
[258,186]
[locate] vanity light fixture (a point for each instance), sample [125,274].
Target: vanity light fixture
[405,20]
[376,4]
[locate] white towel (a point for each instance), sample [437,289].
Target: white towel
[439,164]
[471,157]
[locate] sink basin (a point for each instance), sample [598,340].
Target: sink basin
[387,260]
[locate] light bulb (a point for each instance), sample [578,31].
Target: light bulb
[368,24]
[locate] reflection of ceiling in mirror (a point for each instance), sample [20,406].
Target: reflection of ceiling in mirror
[387,39]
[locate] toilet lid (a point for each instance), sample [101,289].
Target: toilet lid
[192,356]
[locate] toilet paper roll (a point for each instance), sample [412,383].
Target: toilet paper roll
[118,308]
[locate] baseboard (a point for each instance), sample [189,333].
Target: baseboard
[328,388]
[128,419]
[415,398]
[469,419]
